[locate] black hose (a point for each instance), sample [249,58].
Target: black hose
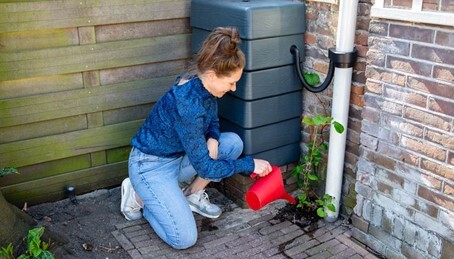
[342,60]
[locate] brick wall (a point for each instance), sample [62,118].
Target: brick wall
[321,33]
[405,170]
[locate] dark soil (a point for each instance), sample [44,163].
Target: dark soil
[298,216]
[84,229]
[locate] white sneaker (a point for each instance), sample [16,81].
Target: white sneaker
[200,203]
[129,206]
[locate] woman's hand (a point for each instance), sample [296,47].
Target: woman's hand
[213,146]
[262,167]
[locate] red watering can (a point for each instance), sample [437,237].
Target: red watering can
[267,189]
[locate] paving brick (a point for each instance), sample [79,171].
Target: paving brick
[253,251]
[290,228]
[332,234]
[301,248]
[237,237]
[298,241]
[348,242]
[144,243]
[220,241]
[272,251]
[153,250]
[194,249]
[208,252]
[231,252]
[207,238]
[131,223]
[317,233]
[300,256]
[277,227]
[139,238]
[240,241]
[134,254]
[137,233]
[123,240]
[287,237]
[322,247]
[322,255]
[314,226]
[370,256]
[263,218]
[337,248]
[357,256]
[258,256]
[346,253]
[132,228]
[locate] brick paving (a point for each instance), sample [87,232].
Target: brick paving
[243,233]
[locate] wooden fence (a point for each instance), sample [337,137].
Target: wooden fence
[77,78]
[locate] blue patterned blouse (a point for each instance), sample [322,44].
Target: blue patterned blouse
[180,123]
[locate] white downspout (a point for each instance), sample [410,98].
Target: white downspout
[341,102]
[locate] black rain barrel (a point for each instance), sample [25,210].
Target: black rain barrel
[265,109]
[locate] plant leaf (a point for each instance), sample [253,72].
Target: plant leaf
[328,198]
[296,170]
[302,197]
[331,207]
[321,213]
[46,255]
[338,127]
[312,177]
[320,202]
[311,78]
[34,248]
[308,121]
[319,120]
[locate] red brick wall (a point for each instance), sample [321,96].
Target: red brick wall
[321,33]
[399,161]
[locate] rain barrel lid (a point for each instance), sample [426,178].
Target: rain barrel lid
[254,19]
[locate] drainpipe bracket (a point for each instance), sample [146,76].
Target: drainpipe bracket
[342,59]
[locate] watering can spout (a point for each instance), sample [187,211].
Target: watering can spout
[289,198]
[267,189]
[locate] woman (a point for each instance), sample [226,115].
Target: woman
[180,139]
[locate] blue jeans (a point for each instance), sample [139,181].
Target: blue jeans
[155,180]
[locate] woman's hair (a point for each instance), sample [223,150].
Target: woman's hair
[220,52]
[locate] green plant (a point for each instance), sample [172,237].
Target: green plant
[8,170]
[309,164]
[36,248]
[7,252]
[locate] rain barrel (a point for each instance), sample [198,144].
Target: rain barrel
[265,109]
